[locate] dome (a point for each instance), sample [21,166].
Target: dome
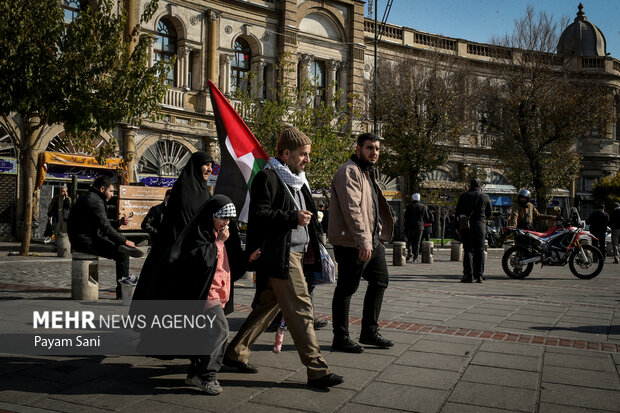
[582,38]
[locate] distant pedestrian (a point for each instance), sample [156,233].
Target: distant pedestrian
[59,210]
[153,220]
[416,214]
[614,224]
[360,220]
[428,225]
[472,211]
[598,221]
[91,232]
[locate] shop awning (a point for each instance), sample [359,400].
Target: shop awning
[82,162]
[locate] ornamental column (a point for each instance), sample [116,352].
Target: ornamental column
[225,73]
[213,19]
[257,87]
[305,72]
[342,74]
[332,67]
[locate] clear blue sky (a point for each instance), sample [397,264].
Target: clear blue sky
[480,20]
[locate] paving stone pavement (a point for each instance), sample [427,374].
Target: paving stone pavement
[548,343]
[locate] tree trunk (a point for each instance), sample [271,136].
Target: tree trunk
[28,164]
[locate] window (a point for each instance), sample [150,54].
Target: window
[165,47]
[317,79]
[71,8]
[240,66]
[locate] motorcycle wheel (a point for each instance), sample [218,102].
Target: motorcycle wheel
[511,266]
[589,270]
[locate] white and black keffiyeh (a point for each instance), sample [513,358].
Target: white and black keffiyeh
[227,211]
[291,179]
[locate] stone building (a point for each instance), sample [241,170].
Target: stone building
[329,40]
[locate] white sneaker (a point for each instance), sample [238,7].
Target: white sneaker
[211,387]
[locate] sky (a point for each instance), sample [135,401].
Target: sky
[480,20]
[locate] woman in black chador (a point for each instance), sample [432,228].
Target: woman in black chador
[188,195]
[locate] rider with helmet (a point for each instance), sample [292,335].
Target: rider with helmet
[523,212]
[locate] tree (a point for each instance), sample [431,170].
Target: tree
[324,120]
[420,109]
[607,191]
[537,110]
[81,73]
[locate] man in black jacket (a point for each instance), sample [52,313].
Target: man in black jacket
[152,222]
[614,224]
[477,206]
[91,232]
[283,224]
[598,221]
[416,215]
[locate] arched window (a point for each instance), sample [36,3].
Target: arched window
[317,78]
[71,9]
[240,66]
[165,47]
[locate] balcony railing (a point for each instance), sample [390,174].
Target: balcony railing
[174,97]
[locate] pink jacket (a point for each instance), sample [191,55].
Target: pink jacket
[220,287]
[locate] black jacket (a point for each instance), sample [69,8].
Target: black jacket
[416,215]
[598,221]
[272,217]
[480,210]
[152,222]
[88,220]
[614,218]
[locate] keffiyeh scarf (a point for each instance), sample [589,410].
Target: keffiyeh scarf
[291,179]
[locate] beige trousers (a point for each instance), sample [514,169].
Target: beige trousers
[292,297]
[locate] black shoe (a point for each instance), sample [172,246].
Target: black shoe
[242,366]
[346,345]
[376,340]
[478,280]
[326,381]
[132,252]
[319,323]
[466,280]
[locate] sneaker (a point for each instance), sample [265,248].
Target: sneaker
[376,340]
[345,344]
[211,387]
[132,252]
[319,323]
[328,380]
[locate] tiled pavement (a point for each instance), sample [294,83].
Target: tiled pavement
[549,343]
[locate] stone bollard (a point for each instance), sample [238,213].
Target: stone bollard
[486,249]
[63,246]
[84,277]
[456,251]
[398,253]
[427,252]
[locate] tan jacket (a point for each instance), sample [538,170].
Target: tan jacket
[351,216]
[527,213]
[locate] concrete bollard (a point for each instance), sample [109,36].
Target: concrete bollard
[486,249]
[63,246]
[456,251]
[427,252]
[398,253]
[84,277]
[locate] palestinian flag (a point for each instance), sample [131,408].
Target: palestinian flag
[242,156]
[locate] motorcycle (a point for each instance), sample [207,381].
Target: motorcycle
[494,236]
[557,247]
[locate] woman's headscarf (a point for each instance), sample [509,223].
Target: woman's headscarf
[186,270]
[189,194]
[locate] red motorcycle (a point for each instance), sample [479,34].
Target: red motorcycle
[557,247]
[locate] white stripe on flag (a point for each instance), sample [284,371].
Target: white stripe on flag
[243,215]
[245,162]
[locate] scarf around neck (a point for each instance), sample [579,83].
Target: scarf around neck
[295,181]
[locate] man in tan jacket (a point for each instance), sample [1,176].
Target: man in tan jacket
[359,220]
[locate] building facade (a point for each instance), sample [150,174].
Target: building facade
[328,41]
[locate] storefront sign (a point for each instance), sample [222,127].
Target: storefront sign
[8,166]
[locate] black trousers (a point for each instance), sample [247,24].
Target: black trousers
[350,270]
[414,238]
[104,247]
[473,261]
[600,244]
